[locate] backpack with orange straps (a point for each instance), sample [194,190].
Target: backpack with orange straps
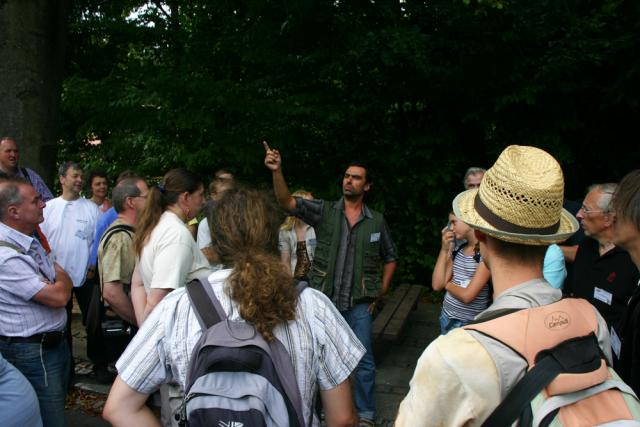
[568,380]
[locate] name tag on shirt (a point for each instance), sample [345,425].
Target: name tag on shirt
[375,237]
[602,295]
[615,342]
[313,243]
[465,283]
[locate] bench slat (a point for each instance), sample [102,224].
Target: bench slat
[390,307]
[401,314]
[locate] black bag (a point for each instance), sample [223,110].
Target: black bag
[97,322]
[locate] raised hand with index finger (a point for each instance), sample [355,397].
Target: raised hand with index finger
[272,159]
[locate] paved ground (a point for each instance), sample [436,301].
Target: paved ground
[396,362]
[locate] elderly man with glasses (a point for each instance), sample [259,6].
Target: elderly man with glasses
[604,273]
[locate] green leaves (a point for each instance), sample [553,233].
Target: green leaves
[421,90]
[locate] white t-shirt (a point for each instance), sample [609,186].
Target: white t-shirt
[70,227]
[170,257]
[204,234]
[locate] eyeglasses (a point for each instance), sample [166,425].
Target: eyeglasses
[588,211]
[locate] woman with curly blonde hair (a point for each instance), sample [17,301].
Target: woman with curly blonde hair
[297,242]
[254,286]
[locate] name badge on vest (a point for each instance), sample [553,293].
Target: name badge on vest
[375,237]
[602,295]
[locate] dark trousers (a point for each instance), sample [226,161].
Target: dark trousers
[95,348]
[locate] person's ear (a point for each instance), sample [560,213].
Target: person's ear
[367,186]
[482,237]
[610,218]
[13,211]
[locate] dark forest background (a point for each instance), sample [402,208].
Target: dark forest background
[419,89]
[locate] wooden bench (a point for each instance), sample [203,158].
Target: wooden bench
[389,323]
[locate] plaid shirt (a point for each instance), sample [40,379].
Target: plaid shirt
[323,349]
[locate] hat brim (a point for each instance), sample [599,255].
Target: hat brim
[463,208]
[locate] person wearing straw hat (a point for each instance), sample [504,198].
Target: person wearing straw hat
[516,212]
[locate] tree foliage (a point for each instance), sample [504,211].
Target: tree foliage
[421,90]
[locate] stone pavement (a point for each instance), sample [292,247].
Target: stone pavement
[395,365]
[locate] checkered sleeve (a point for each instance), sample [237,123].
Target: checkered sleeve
[339,351]
[143,364]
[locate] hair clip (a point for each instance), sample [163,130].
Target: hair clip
[161,188]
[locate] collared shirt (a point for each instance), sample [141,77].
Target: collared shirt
[21,277]
[36,182]
[607,281]
[323,349]
[310,211]
[70,227]
[458,381]
[117,261]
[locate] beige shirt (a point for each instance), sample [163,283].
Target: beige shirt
[170,257]
[117,261]
[455,383]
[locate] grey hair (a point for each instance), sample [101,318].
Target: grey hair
[471,171]
[607,191]
[126,188]
[10,194]
[64,168]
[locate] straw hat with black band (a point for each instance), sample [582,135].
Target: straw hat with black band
[519,200]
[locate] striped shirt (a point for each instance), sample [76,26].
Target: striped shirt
[464,267]
[21,277]
[323,349]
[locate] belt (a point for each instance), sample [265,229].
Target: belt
[47,339]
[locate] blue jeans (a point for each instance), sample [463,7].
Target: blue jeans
[359,319]
[47,369]
[447,323]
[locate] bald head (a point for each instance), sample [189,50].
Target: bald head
[9,155]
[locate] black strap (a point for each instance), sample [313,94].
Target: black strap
[202,303]
[523,393]
[494,315]
[27,178]
[575,355]
[113,230]
[103,241]
[207,307]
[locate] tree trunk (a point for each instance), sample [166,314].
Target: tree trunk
[32,40]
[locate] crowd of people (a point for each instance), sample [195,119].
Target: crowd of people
[128,259]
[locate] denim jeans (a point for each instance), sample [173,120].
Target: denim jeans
[447,323]
[359,319]
[47,369]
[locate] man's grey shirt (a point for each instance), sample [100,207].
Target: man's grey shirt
[310,211]
[21,277]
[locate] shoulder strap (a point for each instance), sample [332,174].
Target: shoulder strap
[25,172]
[115,229]
[578,355]
[458,249]
[494,315]
[12,246]
[301,286]
[208,309]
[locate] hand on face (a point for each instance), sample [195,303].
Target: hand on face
[448,237]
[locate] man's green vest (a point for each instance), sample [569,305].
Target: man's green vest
[367,275]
